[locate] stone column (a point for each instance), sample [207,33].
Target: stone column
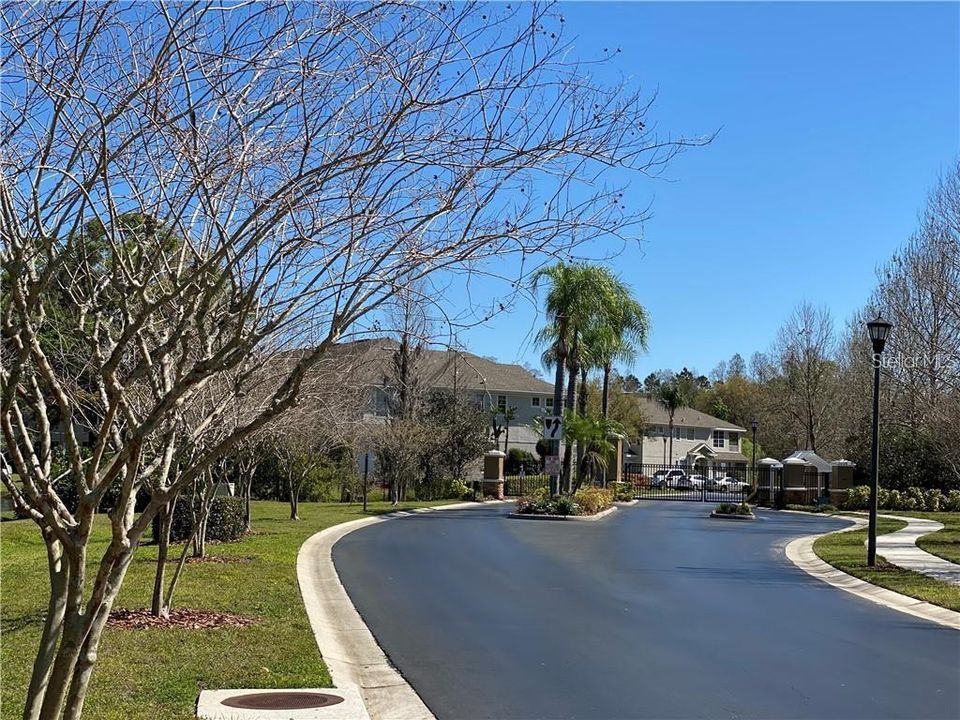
[841,480]
[492,484]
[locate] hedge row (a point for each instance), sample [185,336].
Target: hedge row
[914,498]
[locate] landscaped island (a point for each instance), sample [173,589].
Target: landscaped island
[586,502]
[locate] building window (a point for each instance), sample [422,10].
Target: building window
[718,438]
[502,403]
[734,441]
[535,402]
[690,435]
[659,430]
[549,403]
[676,433]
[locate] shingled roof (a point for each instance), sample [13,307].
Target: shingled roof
[656,414]
[370,364]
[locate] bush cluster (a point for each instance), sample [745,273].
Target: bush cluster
[226,522]
[539,502]
[623,491]
[733,509]
[517,458]
[593,500]
[588,501]
[913,498]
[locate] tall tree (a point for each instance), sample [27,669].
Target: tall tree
[315,158]
[671,393]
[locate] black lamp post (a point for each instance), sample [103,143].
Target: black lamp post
[753,426]
[879,330]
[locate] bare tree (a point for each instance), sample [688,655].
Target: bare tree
[310,159]
[805,348]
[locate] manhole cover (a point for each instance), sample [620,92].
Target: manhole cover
[281,701]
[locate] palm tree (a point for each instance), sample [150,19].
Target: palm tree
[579,294]
[672,396]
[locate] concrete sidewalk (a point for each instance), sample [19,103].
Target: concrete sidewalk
[900,548]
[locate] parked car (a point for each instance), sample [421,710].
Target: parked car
[668,478]
[727,483]
[697,481]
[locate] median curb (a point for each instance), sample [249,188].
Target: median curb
[578,518]
[346,644]
[800,553]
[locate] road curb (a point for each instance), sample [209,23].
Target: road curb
[800,553]
[346,644]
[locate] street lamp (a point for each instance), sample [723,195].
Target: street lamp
[753,426]
[878,330]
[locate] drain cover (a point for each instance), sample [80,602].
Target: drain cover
[281,700]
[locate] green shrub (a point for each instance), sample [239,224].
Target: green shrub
[225,523]
[593,500]
[732,509]
[459,489]
[858,498]
[517,458]
[895,500]
[623,491]
[933,499]
[953,501]
[883,498]
[566,505]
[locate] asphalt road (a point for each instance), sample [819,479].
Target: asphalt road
[655,612]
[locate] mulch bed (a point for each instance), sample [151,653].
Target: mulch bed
[215,559]
[182,618]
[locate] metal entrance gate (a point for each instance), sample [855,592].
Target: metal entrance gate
[689,482]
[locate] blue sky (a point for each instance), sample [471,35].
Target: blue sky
[835,119]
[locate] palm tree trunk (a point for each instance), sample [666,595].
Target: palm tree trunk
[605,401]
[568,446]
[557,408]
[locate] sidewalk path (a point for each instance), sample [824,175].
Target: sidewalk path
[900,548]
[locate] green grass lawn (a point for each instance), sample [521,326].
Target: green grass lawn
[157,674]
[847,552]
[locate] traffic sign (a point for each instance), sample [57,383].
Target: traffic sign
[553,427]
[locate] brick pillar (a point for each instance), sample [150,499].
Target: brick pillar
[841,480]
[794,487]
[493,474]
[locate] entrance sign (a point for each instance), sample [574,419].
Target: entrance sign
[553,427]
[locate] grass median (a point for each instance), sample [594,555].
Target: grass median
[156,674]
[847,551]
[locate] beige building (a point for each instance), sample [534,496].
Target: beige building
[698,439]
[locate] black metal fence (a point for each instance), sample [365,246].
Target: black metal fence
[518,485]
[689,482]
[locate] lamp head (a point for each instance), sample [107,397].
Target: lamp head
[879,331]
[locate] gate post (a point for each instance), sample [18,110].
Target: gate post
[616,458]
[493,474]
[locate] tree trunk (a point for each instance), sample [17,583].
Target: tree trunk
[557,409]
[52,627]
[294,502]
[568,446]
[247,491]
[165,517]
[670,430]
[582,411]
[506,440]
[605,400]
